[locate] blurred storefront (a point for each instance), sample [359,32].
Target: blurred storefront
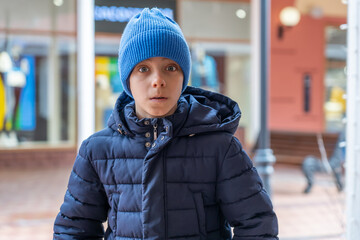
[38,80]
[308,77]
[38,45]
[38,115]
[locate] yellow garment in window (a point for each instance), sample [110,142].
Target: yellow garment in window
[2,104]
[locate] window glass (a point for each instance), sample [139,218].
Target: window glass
[218,33]
[38,73]
[335,78]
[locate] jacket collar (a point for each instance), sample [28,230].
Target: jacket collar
[199,111]
[124,120]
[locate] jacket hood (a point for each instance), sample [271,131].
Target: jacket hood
[199,111]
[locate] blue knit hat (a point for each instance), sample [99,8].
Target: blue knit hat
[152,34]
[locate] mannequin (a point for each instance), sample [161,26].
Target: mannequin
[13,80]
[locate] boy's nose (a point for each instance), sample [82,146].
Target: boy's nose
[158,80]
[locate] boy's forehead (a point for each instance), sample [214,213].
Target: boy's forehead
[157,59]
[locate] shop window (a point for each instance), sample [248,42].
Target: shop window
[218,33]
[335,79]
[38,74]
[108,88]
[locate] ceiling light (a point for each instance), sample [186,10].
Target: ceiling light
[241,13]
[58,3]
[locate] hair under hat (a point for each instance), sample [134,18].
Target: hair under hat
[152,34]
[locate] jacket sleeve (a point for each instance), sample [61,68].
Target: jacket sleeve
[242,198]
[85,204]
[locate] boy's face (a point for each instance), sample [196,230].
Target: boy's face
[156,85]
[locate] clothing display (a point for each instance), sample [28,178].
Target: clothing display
[108,87]
[204,74]
[2,103]
[26,113]
[17,100]
[5,66]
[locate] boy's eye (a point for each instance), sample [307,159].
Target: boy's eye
[171,68]
[143,69]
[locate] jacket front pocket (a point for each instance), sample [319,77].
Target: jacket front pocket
[200,210]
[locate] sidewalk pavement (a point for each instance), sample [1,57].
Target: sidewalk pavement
[30,200]
[319,215]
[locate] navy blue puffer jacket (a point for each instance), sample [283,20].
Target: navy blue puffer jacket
[180,177]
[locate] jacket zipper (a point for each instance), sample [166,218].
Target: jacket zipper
[155,131]
[165,196]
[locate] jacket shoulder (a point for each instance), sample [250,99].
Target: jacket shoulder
[223,138]
[101,136]
[106,132]
[99,144]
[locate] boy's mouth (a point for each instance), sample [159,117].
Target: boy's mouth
[158,98]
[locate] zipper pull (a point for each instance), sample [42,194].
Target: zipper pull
[155,131]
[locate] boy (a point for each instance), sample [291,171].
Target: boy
[168,165]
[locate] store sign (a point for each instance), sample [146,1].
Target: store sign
[122,14]
[112,16]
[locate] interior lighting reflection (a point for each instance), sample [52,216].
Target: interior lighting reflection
[241,13]
[58,3]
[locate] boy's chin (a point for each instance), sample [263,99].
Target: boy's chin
[160,114]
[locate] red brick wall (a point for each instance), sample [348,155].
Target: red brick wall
[300,51]
[37,158]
